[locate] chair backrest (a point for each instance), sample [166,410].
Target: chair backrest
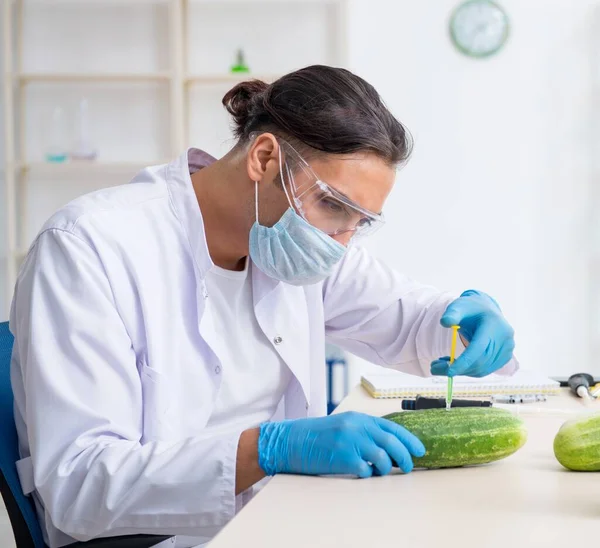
[21,510]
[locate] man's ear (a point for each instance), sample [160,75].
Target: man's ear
[262,161]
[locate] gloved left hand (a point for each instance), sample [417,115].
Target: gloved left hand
[482,325]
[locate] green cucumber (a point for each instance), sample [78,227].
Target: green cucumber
[577,443]
[463,436]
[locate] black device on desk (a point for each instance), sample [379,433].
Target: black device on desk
[440,403]
[580,384]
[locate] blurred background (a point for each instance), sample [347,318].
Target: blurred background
[501,192]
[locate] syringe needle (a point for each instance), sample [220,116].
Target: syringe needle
[455,329]
[449,392]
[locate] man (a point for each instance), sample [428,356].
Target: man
[170,333]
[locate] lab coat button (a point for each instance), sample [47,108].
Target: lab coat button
[307,406]
[278,340]
[218,369]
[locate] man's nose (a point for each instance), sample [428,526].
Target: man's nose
[343,238]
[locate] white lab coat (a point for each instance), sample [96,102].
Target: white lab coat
[114,369]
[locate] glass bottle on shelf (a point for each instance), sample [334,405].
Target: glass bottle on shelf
[240,63]
[56,151]
[83,148]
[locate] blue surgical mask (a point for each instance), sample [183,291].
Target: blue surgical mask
[292,250]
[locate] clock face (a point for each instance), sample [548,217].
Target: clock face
[479,28]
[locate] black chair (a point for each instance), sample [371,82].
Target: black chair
[21,510]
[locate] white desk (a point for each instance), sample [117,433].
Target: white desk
[527,499]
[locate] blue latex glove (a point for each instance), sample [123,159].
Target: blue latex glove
[337,444]
[482,325]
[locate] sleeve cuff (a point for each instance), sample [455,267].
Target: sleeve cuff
[510,368]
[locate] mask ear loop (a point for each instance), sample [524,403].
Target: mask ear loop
[256,200]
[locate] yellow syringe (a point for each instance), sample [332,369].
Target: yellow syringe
[455,329]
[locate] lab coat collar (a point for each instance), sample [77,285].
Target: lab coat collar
[262,285]
[187,209]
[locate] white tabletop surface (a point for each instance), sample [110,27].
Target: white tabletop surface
[527,499]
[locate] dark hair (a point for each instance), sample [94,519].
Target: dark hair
[322,108]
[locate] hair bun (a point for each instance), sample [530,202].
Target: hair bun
[239,102]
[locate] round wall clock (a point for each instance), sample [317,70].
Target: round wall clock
[479,28]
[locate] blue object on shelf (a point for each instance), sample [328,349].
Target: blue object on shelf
[337,376]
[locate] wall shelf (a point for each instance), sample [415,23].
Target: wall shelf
[229,79]
[77,168]
[53,77]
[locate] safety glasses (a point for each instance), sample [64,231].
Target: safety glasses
[320,204]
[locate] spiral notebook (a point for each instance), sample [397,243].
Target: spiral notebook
[392,384]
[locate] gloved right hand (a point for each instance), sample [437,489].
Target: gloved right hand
[336,444]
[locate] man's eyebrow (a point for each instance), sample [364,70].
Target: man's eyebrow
[352,201]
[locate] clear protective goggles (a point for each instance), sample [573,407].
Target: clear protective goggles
[318,203]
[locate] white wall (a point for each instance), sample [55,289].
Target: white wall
[497,195]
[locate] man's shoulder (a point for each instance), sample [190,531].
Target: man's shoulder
[111,205]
